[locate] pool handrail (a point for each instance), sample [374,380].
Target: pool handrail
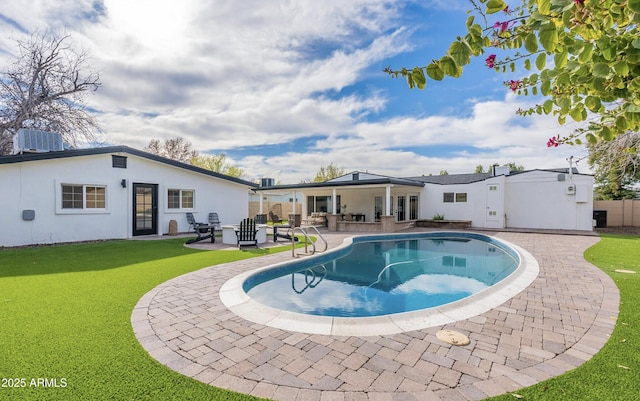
[303,231]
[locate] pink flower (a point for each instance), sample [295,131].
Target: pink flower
[491,61]
[503,26]
[553,142]
[581,2]
[514,85]
[506,9]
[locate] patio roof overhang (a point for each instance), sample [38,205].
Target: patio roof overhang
[331,185]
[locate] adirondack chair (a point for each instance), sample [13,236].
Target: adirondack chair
[247,233]
[202,230]
[214,221]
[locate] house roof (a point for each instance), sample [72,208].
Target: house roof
[349,180]
[452,179]
[29,157]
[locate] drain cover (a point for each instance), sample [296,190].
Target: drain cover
[452,337]
[625,271]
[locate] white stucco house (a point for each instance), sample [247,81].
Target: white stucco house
[108,193]
[559,199]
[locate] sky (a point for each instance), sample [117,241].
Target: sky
[283,88]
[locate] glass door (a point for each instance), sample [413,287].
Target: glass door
[401,208]
[145,209]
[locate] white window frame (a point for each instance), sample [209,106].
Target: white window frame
[84,209]
[180,198]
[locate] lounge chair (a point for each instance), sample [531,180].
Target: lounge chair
[274,217]
[247,233]
[202,230]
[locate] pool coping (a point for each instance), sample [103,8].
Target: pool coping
[239,302]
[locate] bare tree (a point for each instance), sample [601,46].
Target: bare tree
[44,89]
[175,149]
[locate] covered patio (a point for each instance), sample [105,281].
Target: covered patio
[356,202]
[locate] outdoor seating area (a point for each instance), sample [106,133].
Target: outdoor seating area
[247,232]
[203,231]
[316,219]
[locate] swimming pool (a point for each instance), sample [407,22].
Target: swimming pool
[387,283]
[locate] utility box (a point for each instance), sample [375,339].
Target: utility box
[600,217]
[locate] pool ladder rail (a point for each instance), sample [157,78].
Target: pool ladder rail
[307,241]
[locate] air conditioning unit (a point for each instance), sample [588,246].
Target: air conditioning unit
[571,189]
[36,141]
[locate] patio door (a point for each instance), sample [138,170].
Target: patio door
[145,209]
[401,208]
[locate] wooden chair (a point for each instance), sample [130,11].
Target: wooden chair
[247,233]
[201,229]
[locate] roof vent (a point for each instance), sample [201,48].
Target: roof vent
[35,141]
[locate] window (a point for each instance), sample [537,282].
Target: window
[84,197]
[180,199]
[448,197]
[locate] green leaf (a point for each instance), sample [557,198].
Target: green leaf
[547,106]
[449,67]
[622,124]
[531,43]
[493,6]
[586,54]
[591,138]
[560,59]
[606,134]
[544,6]
[435,72]
[541,61]
[527,64]
[418,78]
[601,70]
[545,88]
[592,103]
[621,68]
[548,37]
[469,21]
[634,5]
[578,113]
[599,84]
[410,81]
[460,52]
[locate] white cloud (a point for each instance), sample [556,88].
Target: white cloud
[227,75]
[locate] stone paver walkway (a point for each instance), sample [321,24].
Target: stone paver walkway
[560,321]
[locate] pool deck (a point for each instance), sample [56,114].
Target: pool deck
[556,324]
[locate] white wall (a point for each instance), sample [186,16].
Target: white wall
[537,199]
[473,209]
[34,185]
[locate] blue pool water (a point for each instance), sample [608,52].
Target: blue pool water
[385,275]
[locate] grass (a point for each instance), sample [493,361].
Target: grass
[65,314]
[614,372]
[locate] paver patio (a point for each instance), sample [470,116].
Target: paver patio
[560,321]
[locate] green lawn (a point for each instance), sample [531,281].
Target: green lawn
[66,312]
[65,317]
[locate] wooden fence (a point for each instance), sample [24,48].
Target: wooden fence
[620,213]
